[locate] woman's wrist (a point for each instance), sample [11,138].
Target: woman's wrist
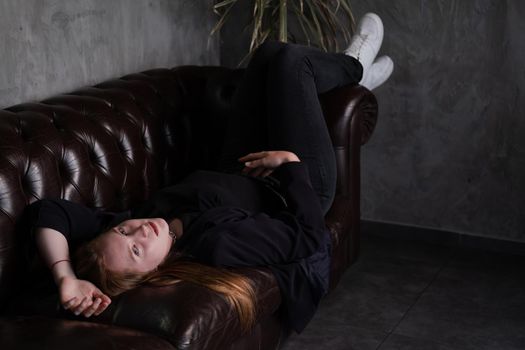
[62,269]
[58,262]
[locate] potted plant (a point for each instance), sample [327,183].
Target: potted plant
[319,21]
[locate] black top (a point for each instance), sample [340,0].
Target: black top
[229,220]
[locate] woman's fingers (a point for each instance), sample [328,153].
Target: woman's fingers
[88,307]
[105,299]
[253,163]
[86,302]
[260,163]
[71,303]
[103,305]
[91,310]
[98,294]
[250,167]
[251,156]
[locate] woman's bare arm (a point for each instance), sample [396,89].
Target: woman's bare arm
[79,296]
[54,250]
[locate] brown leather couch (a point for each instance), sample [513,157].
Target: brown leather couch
[112,145]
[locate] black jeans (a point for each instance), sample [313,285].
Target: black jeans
[276,107]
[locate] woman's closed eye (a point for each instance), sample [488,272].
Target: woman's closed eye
[135,250]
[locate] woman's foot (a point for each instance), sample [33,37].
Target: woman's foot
[378,73]
[367,40]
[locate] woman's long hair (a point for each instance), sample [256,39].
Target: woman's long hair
[237,289]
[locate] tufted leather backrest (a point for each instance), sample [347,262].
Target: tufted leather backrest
[107,146]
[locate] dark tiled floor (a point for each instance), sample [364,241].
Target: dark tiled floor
[413,295]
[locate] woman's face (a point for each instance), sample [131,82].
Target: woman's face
[137,245]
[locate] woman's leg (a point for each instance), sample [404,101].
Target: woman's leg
[295,121]
[246,131]
[276,107]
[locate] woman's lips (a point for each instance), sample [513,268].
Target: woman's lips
[154,228]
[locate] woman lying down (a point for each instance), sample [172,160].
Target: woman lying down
[263,209]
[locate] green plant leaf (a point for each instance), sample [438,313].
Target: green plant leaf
[344,29]
[319,30]
[298,13]
[222,4]
[283,21]
[348,9]
[320,21]
[327,16]
[259,8]
[223,18]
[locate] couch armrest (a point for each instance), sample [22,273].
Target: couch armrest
[351,116]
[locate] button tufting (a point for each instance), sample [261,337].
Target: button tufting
[93,158]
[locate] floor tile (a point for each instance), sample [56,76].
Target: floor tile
[414,295]
[377,291]
[401,342]
[487,261]
[477,302]
[335,338]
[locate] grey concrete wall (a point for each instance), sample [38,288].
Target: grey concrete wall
[54,46]
[449,148]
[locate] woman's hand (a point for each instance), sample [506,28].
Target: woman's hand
[263,163]
[79,296]
[82,297]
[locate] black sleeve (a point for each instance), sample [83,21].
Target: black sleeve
[302,200]
[76,222]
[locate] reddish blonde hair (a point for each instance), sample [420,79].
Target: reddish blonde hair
[235,288]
